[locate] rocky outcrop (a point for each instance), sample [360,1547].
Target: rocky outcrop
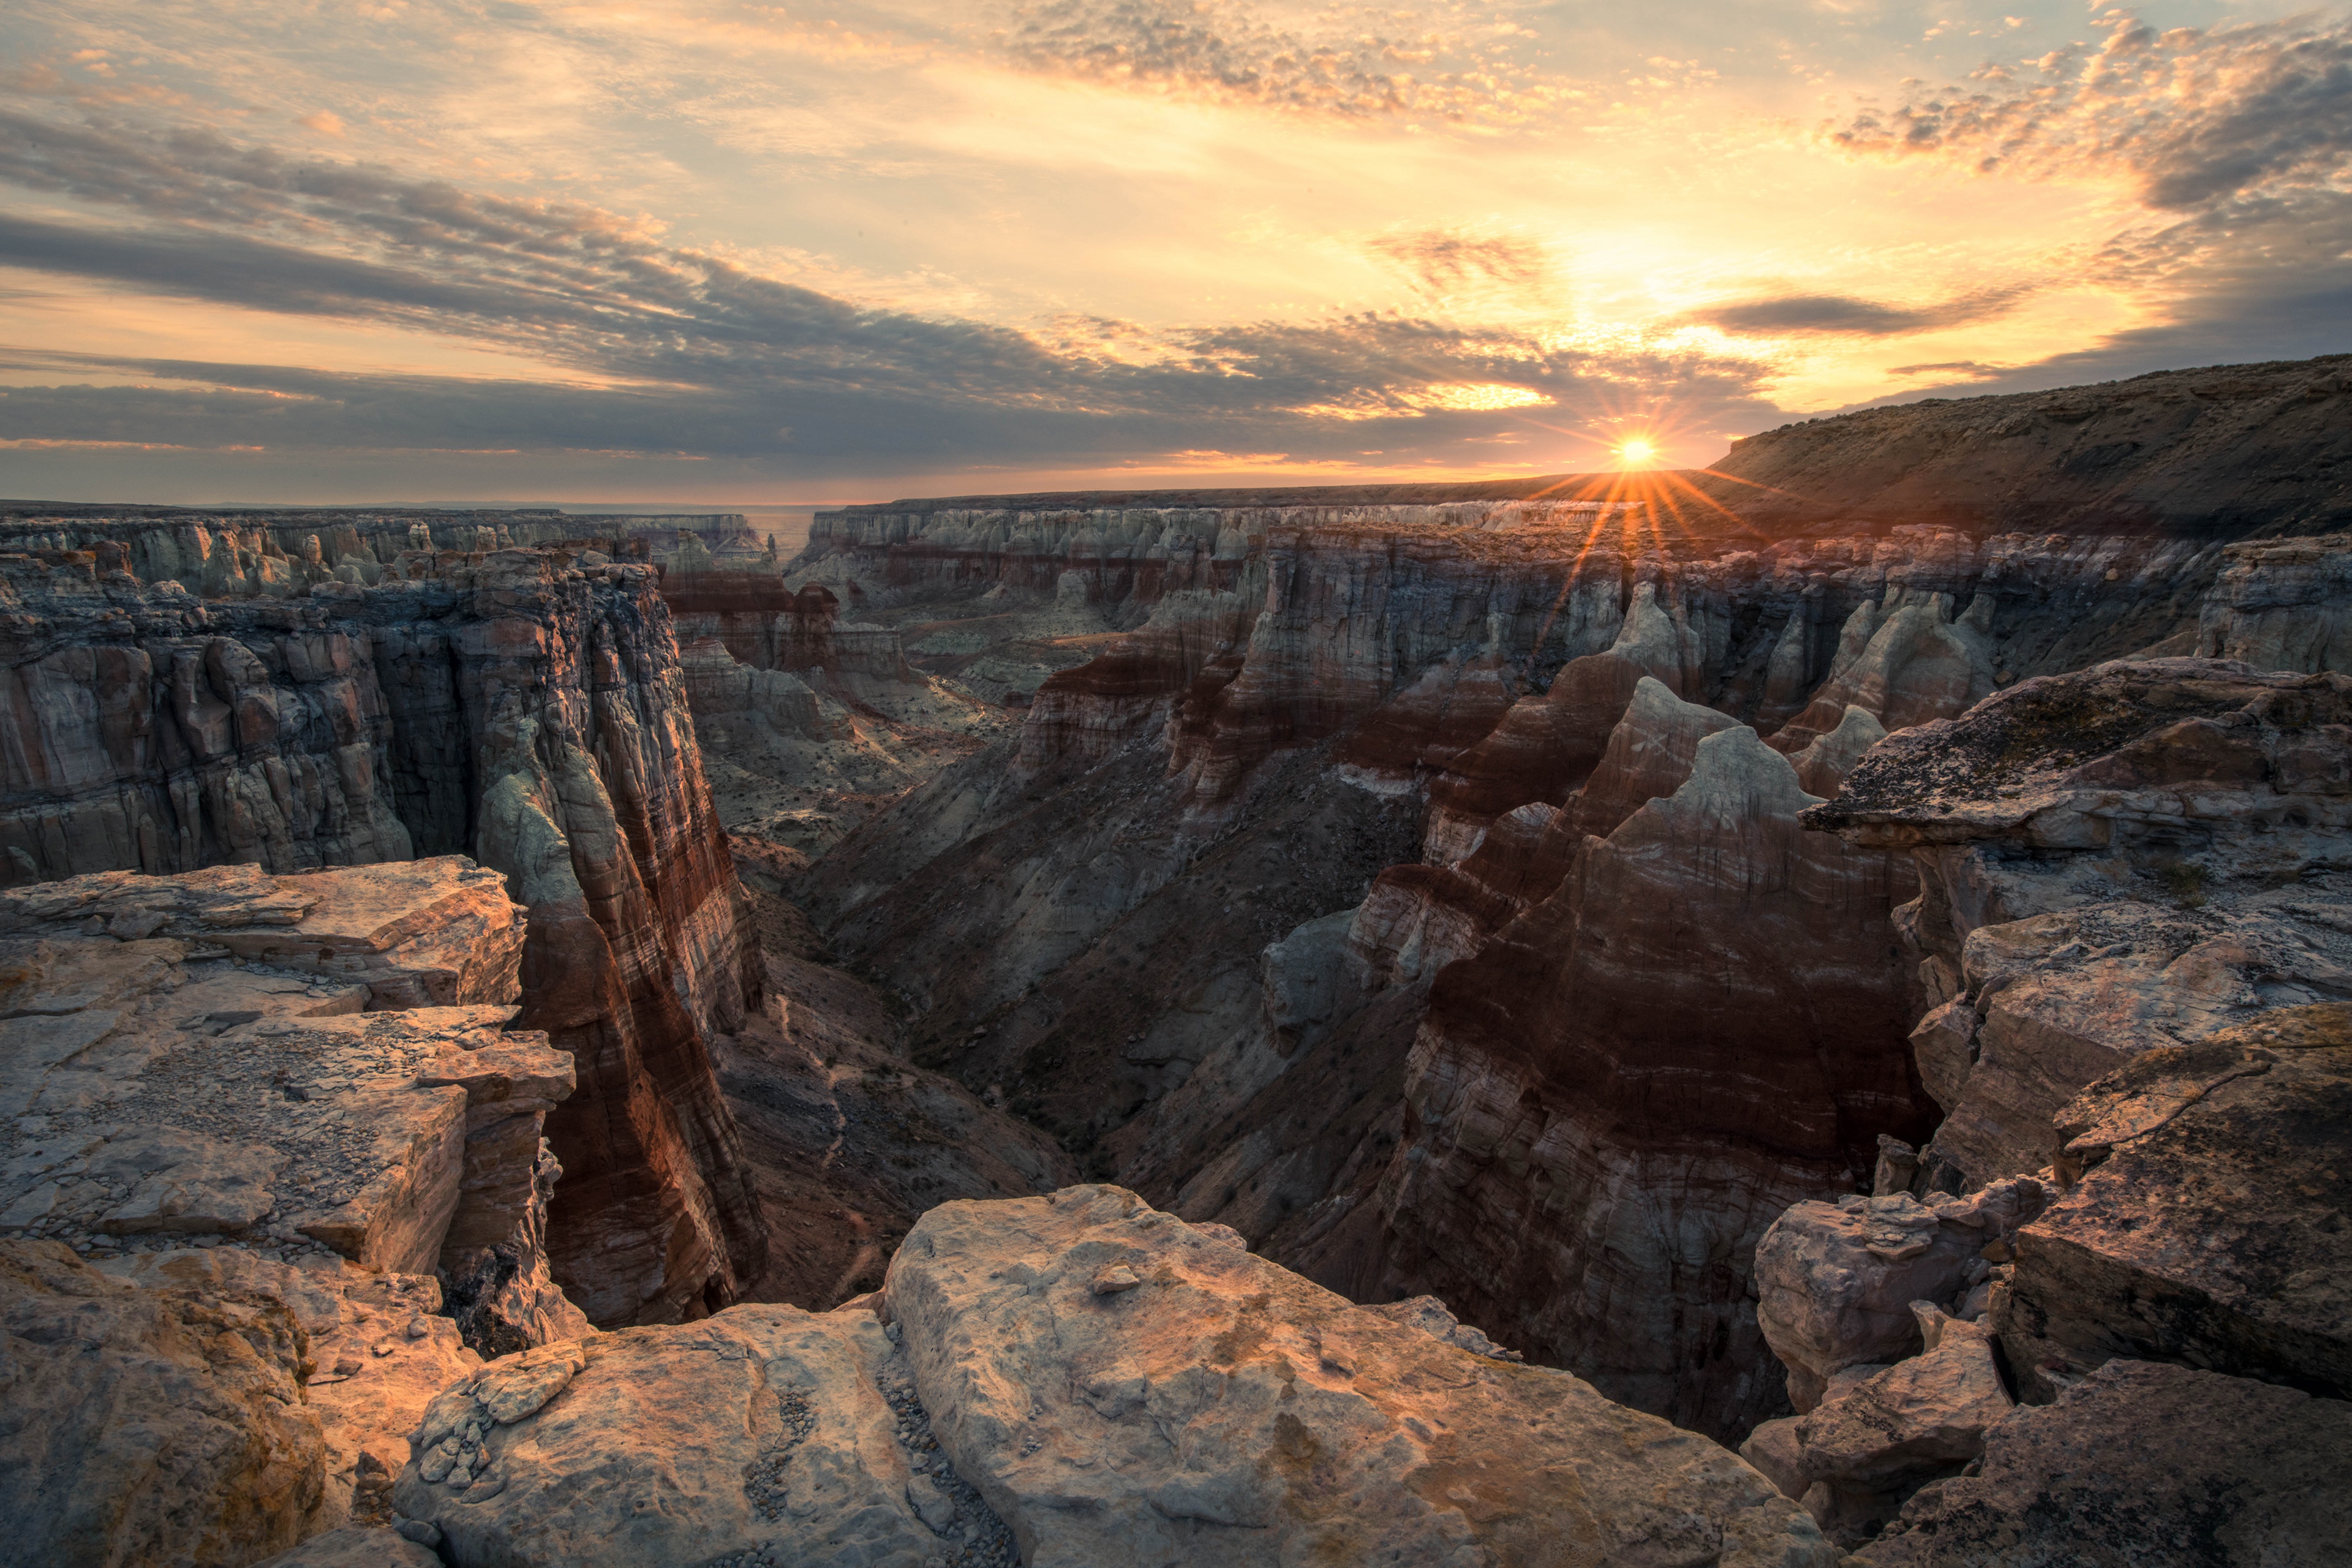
[2204,1219]
[1219,1410]
[514,705]
[278,1110]
[2130,905]
[2190,1469]
[1066,1381]
[2136,854]
[189,1055]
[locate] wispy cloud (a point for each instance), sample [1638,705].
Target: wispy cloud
[682,351]
[2194,116]
[1841,314]
[1443,62]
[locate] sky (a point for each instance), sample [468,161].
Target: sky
[446,250]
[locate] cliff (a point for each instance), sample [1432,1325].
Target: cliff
[1092,921]
[510,706]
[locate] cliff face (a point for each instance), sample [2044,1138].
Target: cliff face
[1567,1057]
[509,705]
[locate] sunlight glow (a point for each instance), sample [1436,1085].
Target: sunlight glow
[1637,451]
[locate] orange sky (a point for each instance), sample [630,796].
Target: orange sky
[737,252]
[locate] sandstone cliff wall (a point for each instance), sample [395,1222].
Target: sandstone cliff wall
[1096,920]
[505,705]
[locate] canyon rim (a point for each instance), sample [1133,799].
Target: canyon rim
[1517,1023]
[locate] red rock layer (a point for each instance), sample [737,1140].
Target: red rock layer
[505,707]
[1608,1102]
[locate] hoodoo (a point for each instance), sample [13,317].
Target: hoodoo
[1798,1016]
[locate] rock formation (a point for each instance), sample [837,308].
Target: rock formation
[2129,940]
[511,706]
[1857,980]
[1314,682]
[1076,1381]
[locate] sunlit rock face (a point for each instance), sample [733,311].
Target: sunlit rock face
[1613,1094]
[510,706]
[1517,700]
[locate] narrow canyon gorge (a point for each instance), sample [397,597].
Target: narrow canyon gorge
[1744,1016]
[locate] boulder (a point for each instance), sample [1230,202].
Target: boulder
[762,1436]
[380,1348]
[1836,1282]
[2208,1223]
[160,1426]
[1226,1412]
[2143,1465]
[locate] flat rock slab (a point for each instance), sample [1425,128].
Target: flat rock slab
[1225,1412]
[2208,1225]
[418,933]
[2143,1465]
[276,1130]
[764,1435]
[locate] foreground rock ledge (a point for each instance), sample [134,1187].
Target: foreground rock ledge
[1123,1388]
[1076,1381]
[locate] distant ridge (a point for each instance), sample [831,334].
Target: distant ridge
[1569,487]
[2225,451]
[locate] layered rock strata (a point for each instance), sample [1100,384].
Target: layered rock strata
[516,706]
[1094,922]
[2128,934]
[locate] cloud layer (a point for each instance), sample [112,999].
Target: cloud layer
[1125,236]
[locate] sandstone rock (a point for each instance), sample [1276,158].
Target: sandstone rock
[1226,1412]
[354,1546]
[762,1435]
[1875,1441]
[2142,1465]
[1836,1281]
[165,1089]
[501,703]
[2208,1226]
[378,1352]
[160,1425]
[2065,926]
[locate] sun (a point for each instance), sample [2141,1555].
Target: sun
[1637,451]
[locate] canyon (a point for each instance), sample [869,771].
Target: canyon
[1735,1016]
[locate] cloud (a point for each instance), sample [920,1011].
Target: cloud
[664,348]
[1228,52]
[1842,315]
[1444,262]
[2195,116]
